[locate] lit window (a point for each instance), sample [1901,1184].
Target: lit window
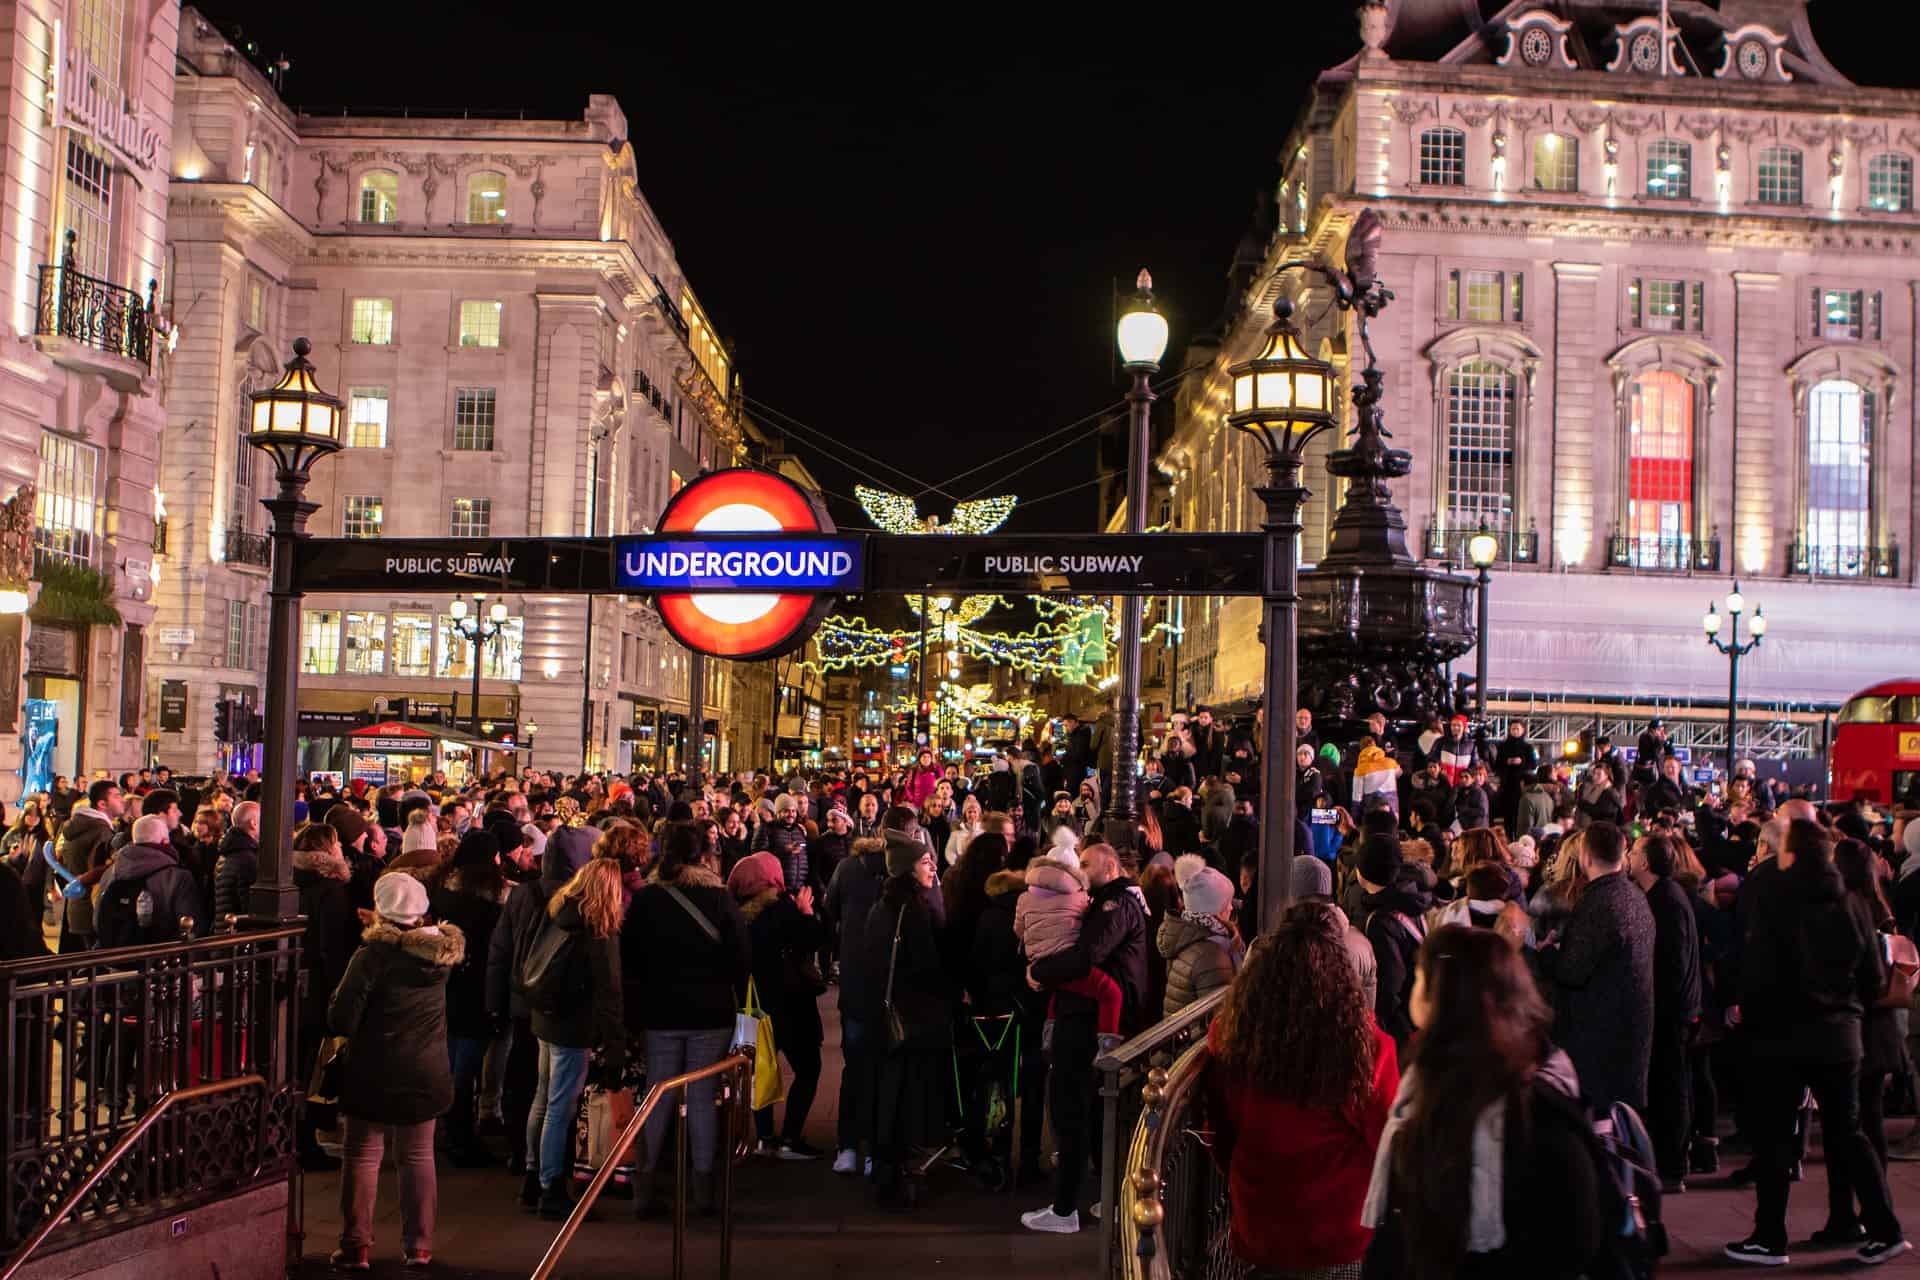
[1779,176]
[456,651]
[96,34]
[1556,162]
[367,418]
[1666,302]
[1890,183]
[66,510]
[486,197]
[373,321]
[256,304]
[1660,470]
[366,636]
[412,644]
[1443,158]
[473,414]
[1484,297]
[361,517]
[479,323]
[472,517]
[319,641]
[503,653]
[1839,478]
[261,164]
[86,204]
[1480,412]
[246,462]
[379,196]
[240,618]
[1846,313]
[1669,170]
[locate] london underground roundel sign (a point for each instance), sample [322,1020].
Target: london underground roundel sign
[742,500]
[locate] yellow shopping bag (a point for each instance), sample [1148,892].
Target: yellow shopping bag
[768,1088]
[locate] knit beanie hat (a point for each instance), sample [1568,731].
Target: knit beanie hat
[1522,853]
[420,837]
[1206,891]
[477,848]
[400,898]
[1068,839]
[1379,859]
[903,853]
[1311,878]
[754,874]
[347,823]
[784,804]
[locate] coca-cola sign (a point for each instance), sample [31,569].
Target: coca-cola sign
[91,102]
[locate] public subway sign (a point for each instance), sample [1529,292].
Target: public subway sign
[741,564]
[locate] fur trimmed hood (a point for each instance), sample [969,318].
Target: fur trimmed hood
[1005,882]
[442,945]
[323,863]
[691,876]
[1056,877]
[759,902]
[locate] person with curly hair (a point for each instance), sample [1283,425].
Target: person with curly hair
[1298,1083]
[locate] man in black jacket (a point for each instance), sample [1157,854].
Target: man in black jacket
[239,863]
[1393,909]
[146,895]
[1602,970]
[1113,939]
[1076,757]
[1513,764]
[1209,744]
[850,897]
[1676,1005]
[84,845]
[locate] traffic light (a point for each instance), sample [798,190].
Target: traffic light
[223,725]
[256,726]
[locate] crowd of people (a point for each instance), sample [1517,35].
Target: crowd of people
[1491,967]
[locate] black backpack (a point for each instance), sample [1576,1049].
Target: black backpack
[123,920]
[545,973]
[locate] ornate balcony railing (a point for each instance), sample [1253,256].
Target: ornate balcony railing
[94,312]
[249,548]
[1664,555]
[1450,545]
[1827,560]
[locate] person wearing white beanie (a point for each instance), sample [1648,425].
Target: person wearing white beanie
[1201,945]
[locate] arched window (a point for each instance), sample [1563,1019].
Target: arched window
[1839,530]
[1443,158]
[1779,176]
[1669,170]
[1890,183]
[1660,471]
[486,197]
[379,196]
[1556,162]
[1479,443]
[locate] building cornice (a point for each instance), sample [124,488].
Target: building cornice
[1588,87]
[1538,222]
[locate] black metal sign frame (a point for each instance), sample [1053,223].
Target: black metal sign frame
[1141,564]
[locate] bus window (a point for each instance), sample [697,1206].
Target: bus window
[1867,710]
[1906,709]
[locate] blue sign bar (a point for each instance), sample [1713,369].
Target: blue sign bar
[779,562]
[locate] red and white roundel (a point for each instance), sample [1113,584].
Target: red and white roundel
[742,500]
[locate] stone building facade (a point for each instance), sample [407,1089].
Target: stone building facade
[88,108]
[521,354]
[1655,325]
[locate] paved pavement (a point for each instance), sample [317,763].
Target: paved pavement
[800,1222]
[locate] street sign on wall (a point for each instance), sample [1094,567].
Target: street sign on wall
[173,706]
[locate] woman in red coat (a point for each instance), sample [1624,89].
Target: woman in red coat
[1298,1090]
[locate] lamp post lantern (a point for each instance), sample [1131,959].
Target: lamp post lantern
[1283,398]
[486,623]
[1482,548]
[1142,338]
[1735,649]
[296,424]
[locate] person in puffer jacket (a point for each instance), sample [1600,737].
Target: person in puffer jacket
[1046,919]
[1201,946]
[786,840]
[1375,775]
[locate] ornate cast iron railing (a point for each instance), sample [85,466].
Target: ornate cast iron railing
[1132,1077]
[94,312]
[249,548]
[1828,560]
[1174,1212]
[95,1040]
[1516,546]
[1664,555]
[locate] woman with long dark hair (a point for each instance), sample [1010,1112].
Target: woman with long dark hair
[1298,1088]
[1486,1166]
[468,894]
[1810,969]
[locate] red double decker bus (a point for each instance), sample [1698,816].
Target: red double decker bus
[1876,746]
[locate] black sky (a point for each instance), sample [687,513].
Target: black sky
[910,231]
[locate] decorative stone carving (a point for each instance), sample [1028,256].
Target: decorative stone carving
[1537,40]
[1374,27]
[1753,53]
[1473,114]
[1642,48]
[325,166]
[1747,128]
[1409,110]
[16,539]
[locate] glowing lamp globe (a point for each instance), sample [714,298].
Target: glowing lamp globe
[1142,331]
[1711,623]
[294,420]
[1483,548]
[1759,624]
[1283,394]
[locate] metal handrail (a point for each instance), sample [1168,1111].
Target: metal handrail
[191,1094]
[1142,1214]
[655,1093]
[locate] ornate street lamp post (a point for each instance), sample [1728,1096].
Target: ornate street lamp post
[1142,338]
[1735,650]
[1482,548]
[297,424]
[477,630]
[1283,398]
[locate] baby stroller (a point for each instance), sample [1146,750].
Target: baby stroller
[986,1079]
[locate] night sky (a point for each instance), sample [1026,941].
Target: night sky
[910,232]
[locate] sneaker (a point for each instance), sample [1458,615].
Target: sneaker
[848,1161]
[1755,1254]
[797,1150]
[1093,1211]
[1875,1252]
[1045,1219]
[349,1258]
[1848,1237]
[419,1258]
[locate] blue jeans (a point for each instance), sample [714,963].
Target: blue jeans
[672,1053]
[563,1073]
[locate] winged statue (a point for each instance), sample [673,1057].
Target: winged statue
[897,513]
